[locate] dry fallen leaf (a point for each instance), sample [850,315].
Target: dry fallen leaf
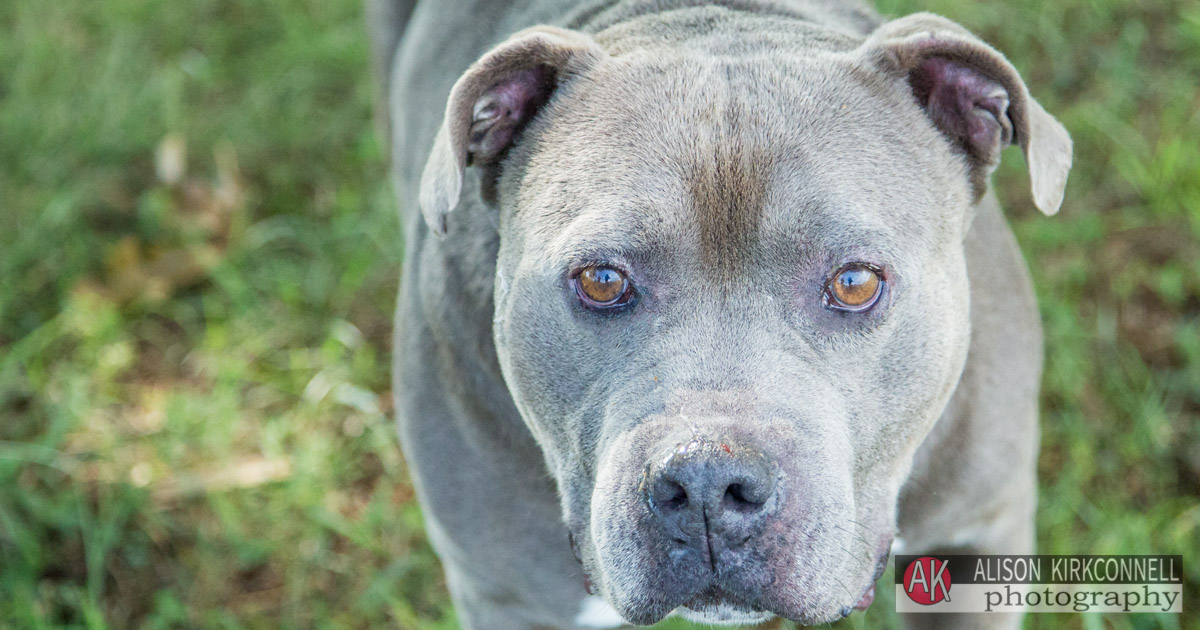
[247,473]
[170,159]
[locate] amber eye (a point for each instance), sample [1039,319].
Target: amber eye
[600,286]
[854,288]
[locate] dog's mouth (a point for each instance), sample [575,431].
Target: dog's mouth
[714,606]
[868,595]
[721,603]
[715,530]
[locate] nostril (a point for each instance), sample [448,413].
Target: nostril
[742,498]
[670,495]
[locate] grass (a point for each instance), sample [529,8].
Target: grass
[194,360]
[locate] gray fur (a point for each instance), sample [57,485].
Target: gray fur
[729,155]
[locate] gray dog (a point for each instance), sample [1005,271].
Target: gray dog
[705,303]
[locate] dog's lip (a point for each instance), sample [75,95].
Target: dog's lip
[864,602]
[713,598]
[712,595]
[724,615]
[868,595]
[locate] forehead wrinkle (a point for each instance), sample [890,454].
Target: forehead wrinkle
[702,168]
[606,234]
[727,173]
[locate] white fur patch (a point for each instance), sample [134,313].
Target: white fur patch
[723,615]
[897,546]
[594,612]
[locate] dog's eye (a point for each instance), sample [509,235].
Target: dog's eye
[854,288]
[600,286]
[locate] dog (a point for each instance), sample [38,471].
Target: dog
[707,306]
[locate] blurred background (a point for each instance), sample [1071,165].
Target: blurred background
[199,251]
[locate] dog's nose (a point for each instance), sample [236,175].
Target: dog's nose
[712,492]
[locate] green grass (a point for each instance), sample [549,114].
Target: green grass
[194,373]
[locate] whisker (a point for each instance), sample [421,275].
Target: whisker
[860,537]
[852,556]
[869,530]
[851,595]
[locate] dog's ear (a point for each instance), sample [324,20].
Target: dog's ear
[490,104]
[975,97]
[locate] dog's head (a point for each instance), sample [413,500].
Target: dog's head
[731,296]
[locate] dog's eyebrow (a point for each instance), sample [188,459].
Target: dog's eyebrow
[594,237]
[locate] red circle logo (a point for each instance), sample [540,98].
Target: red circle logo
[927,581]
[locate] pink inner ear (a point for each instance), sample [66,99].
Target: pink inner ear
[503,109]
[965,105]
